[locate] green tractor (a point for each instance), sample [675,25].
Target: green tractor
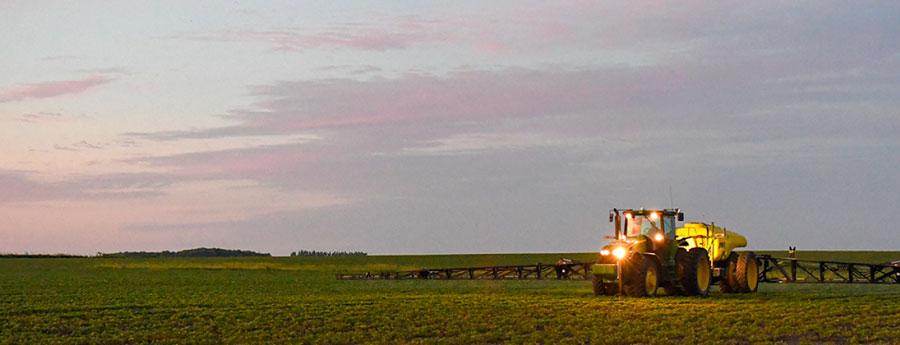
[649,252]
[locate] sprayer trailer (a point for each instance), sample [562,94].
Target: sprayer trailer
[649,252]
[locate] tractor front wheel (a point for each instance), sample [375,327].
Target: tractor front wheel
[696,274]
[644,277]
[598,286]
[747,272]
[601,288]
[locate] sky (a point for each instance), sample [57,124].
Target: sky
[415,127]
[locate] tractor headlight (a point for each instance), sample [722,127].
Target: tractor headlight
[604,252]
[658,237]
[619,252]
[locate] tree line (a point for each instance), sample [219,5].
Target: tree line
[48,256]
[324,253]
[188,253]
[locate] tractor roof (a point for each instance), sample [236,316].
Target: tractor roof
[641,211]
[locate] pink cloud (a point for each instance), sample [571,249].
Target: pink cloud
[18,186]
[513,30]
[404,33]
[39,117]
[470,96]
[50,89]
[249,163]
[480,96]
[651,32]
[719,86]
[677,87]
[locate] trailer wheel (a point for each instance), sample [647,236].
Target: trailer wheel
[747,273]
[644,280]
[728,283]
[696,275]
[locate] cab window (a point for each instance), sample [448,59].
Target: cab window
[640,224]
[669,224]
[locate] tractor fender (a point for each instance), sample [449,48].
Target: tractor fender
[653,257]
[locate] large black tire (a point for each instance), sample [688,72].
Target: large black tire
[680,255]
[644,277]
[598,286]
[601,288]
[747,272]
[696,274]
[728,283]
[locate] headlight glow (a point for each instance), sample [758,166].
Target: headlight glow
[604,252]
[654,215]
[628,215]
[658,237]
[619,252]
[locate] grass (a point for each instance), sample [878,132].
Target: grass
[298,300]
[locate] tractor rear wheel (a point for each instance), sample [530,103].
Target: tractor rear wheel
[695,278]
[680,255]
[644,275]
[728,283]
[747,272]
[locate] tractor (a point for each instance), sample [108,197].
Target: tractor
[649,252]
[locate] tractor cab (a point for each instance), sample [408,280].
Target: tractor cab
[641,230]
[654,224]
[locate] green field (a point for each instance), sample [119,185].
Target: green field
[298,300]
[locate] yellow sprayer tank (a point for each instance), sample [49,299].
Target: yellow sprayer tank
[718,241]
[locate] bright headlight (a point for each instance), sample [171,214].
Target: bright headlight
[654,216]
[604,252]
[658,237]
[619,252]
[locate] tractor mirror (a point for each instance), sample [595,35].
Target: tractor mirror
[610,217]
[680,217]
